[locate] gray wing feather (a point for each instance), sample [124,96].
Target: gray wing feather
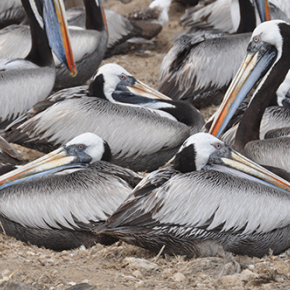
[8,4]
[11,11]
[280,10]
[61,200]
[119,27]
[273,152]
[284,5]
[27,83]
[210,199]
[216,15]
[10,37]
[273,118]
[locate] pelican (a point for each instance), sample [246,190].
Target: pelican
[23,82]
[53,201]
[199,68]
[193,71]
[201,201]
[88,46]
[267,60]
[11,11]
[143,127]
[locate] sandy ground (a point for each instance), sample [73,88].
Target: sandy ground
[122,266]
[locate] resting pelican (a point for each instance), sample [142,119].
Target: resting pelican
[53,201]
[120,28]
[199,68]
[88,46]
[230,16]
[268,57]
[202,201]
[11,11]
[143,127]
[23,82]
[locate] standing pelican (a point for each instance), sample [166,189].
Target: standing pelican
[23,82]
[199,68]
[202,201]
[143,127]
[268,57]
[53,201]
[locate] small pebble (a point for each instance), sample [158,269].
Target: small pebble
[248,275]
[137,274]
[85,281]
[5,273]
[178,277]
[139,284]
[167,273]
[138,263]
[231,281]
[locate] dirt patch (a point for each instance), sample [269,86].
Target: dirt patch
[122,266]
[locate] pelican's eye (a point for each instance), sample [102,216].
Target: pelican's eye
[122,77]
[81,147]
[218,146]
[256,39]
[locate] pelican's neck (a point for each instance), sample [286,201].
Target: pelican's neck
[95,18]
[40,52]
[183,112]
[249,127]
[246,20]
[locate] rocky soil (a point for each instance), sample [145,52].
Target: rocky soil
[121,266]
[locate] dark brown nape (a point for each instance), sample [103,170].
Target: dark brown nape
[185,113]
[248,17]
[249,127]
[40,52]
[185,161]
[95,18]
